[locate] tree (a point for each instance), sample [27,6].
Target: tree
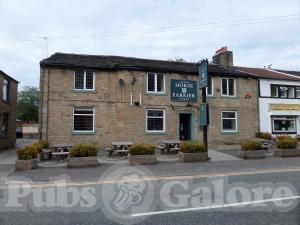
[27,104]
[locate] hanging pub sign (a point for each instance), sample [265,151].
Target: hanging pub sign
[183,91]
[203,73]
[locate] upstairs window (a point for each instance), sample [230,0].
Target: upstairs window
[228,86]
[281,91]
[83,119]
[156,83]
[209,88]
[274,91]
[84,80]
[5,90]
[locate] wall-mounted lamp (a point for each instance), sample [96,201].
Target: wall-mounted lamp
[133,81]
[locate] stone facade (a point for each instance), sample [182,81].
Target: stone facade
[8,139]
[117,120]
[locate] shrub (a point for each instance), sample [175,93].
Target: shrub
[251,145]
[83,150]
[286,142]
[266,135]
[258,134]
[142,149]
[27,153]
[192,147]
[41,144]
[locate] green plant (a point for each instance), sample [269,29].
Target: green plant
[266,135]
[192,147]
[251,145]
[83,150]
[27,153]
[142,149]
[258,134]
[41,144]
[286,142]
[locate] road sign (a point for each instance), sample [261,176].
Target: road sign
[203,114]
[203,72]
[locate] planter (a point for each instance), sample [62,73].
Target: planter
[31,164]
[74,162]
[193,157]
[142,159]
[252,154]
[287,152]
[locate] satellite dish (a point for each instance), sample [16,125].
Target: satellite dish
[121,82]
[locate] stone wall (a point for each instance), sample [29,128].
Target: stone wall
[116,119]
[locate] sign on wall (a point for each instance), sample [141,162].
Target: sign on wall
[203,114]
[183,90]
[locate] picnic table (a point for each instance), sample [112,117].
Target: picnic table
[120,147]
[61,151]
[170,145]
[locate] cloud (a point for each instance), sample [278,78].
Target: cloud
[192,30]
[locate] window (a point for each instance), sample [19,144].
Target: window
[284,124]
[5,90]
[274,91]
[280,91]
[156,83]
[155,121]
[210,87]
[228,86]
[229,121]
[84,80]
[83,119]
[4,127]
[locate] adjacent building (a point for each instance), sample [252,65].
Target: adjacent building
[279,100]
[100,99]
[8,104]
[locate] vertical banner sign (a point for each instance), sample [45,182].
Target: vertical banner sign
[203,74]
[203,114]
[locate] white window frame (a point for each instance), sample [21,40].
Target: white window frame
[5,91]
[282,118]
[236,121]
[84,82]
[83,131]
[234,84]
[155,83]
[212,87]
[164,121]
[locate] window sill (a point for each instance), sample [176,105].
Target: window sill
[155,133]
[230,133]
[84,91]
[83,133]
[229,97]
[156,93]
[211,96]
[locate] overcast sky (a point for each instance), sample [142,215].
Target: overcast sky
[258,32]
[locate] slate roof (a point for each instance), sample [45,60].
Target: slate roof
[269,74]
[6,75]
[107,62]
[295,73]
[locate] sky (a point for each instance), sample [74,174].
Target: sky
[258,32]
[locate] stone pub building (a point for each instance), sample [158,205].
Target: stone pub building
[99,99]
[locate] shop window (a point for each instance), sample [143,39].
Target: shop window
[155,120]
[209,88]
[83,119]
[156,83]
[4,126]
[229,121]
[84,80]
[228,86]
[284,124]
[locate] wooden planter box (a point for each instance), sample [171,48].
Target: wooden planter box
[287,152]
[74,162]
[142,159]
[193,157]
[31,164]
[252,154]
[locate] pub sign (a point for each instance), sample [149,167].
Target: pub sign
[183,90]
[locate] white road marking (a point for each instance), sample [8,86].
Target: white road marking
[214,206]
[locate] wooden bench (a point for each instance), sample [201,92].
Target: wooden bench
[60,155]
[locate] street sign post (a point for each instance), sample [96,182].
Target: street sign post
[203,109]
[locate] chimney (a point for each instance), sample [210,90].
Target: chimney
[223,57]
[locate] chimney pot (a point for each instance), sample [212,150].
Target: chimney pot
[223,57]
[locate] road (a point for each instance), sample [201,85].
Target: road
[154,208]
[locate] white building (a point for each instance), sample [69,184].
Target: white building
[279,101]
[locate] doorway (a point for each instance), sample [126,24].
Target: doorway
[185,132]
